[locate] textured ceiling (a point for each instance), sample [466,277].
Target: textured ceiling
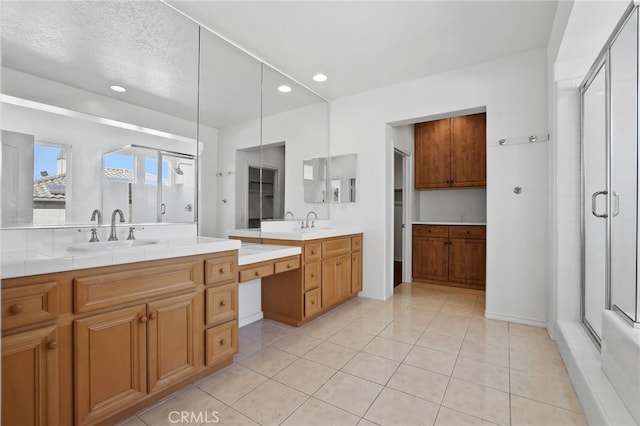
[363,45]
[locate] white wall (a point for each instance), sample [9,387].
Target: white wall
[513,90]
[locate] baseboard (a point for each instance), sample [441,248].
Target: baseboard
[251,318]
[515,319]
[371,295]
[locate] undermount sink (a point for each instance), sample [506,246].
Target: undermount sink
[110,245]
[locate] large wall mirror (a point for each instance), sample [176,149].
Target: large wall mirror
[60,116]
[238,130]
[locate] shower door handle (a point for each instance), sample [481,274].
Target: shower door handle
[593,203]
[616,204]
[163,208]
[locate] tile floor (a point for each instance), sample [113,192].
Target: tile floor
[424,357]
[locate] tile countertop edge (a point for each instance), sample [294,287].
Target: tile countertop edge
[451,223]
[255,253]
[297,235]
[15,268]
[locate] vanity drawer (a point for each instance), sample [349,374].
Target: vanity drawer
[288,264]
[356,243]
[336,247]
[221,342]
[437,231]
[221,303]
[29,304]
[115,288]
[258,271]
[220,270]
[311,302]
[312,275]
[312,252]
[475,232]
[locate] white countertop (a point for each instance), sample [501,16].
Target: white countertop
[295,235]
[450,223]
[32,262]
[254,253]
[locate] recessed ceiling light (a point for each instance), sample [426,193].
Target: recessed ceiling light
[284,88]
[117,88]
[320,78]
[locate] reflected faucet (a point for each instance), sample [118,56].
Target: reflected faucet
[288,212]
[113,236]
[96,213]
[312,222]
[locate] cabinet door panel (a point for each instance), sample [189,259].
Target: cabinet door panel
[221,342]
[468,150]
[356,272]
[110,360]
[171,340]
[329,282]
[430,258]
[30,378]
[432,154]
[467,261]
[344,276]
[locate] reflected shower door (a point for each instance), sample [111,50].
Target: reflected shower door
[177,197]
[594,152]
[624,167]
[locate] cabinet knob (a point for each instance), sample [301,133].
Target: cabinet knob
[16,309]
[429,231]
[257,274]
[153,315]
[222,342]
[338,263]
[53,345]
[312,275]
[221,270]
[223,303]
[143,319]
[313,302]
[288,266]
[468,232]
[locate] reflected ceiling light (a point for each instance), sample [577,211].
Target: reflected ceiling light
[284,88]
[320,78]
[116,88]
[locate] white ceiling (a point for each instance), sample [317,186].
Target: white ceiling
[363,45]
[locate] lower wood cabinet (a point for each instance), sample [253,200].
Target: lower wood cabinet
[30,378]
[336,279]
[221,342]
[450,254]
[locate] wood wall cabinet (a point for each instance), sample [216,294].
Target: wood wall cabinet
[94,346]
[331,273]
[451,153]
[449,254]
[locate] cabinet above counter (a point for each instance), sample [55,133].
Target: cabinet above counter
[448,223]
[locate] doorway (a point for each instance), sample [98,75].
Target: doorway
[400,210]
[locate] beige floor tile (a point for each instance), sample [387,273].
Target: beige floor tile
[526,412]
[440,362]
[305,376]
[449,417]
[440,342]
[365,422]
[318,413]
[351,338]
[479,401]
[369,325]
[270,403]
[463,298]
[248,347]
[482,373]
[192,400]
[331,355]
[488,332]
[348,392]
[132,421]
[401,333]
[487,353]
[269,361]
[371,367]
[538,362]
[465,309]
[398,408]
[231,417]
[297,344]
[531,342]
[319,330]
[544,388]
[419,382]
[387,348]
[232,383]
[449,324]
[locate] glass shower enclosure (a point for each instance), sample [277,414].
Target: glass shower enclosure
[150,185]
[609,141]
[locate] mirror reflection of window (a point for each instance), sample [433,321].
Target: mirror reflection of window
[50,180]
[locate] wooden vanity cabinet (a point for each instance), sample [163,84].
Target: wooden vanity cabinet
[451,152]
[331,273]
[454,255]
[96,345]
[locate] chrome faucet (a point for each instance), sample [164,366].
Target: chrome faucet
[288,212]
[96,214]
[312,222]
[113,236]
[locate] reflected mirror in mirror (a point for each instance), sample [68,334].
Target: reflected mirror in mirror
[343,178]
[314,172]
[59,91]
